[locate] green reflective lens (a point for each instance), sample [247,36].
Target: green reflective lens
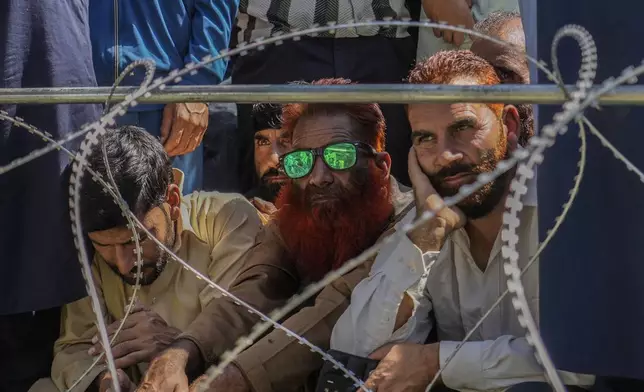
[340,156]
[297,164]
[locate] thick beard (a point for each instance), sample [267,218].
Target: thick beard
[483,201]
[151,269]
[324,227]
[268,191]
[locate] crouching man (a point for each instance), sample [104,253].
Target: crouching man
[211,231]
[447,273]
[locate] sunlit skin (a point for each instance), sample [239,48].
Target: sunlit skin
[318,131]
[506,60]
[117,248]
[449,134]
[269,145]
[446,134]
[310,132]
[460,135]
[329,216]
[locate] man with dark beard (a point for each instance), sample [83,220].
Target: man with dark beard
[211,231]
[451,266]
[340,199]
[269,143]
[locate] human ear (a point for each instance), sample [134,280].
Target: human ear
[512,125]
[173,198]
[383,162]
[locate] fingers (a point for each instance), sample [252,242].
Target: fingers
[374,380]
[166,122]
[453,216]
[435,203]
[173,142]
[448,36]
[419,180]
[381,352]
[136,308]
[123,336]
[196,383]
[264,206]
[134,356]
[187,129]
[135,316]
[457,38]
[193,142]
[106,382]
[416,174]
[123,380]
[132,319]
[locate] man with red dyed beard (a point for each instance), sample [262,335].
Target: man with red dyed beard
[339,200]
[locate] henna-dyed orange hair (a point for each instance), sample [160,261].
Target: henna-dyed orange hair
[448,66]
[368,118]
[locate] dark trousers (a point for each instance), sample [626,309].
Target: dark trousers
[364,60]
[27,346]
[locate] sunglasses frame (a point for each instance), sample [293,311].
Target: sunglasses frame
[319,152]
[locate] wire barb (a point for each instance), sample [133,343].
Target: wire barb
[527,159]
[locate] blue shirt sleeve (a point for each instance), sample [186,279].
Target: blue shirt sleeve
[212,24]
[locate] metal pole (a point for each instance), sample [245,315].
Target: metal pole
[383,93]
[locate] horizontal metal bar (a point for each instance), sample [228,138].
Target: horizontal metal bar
[382,93]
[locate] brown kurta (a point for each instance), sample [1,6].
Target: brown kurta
[269,278]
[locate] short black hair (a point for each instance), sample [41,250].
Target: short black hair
[141,170]
[266,116]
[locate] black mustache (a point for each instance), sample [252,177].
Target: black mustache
[272,172]
[454,170]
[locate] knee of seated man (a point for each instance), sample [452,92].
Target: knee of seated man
[44,385]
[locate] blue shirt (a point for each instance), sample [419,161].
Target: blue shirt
[172,33]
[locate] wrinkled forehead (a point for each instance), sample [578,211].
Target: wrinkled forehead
[319,130]
[440,116]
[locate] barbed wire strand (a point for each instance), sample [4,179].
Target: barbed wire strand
[149,67]
[571,109]
[78,167]
[629,165]
[130,100]
[542,246]
[309,31]
[175,80]
[17,121]
[260,44]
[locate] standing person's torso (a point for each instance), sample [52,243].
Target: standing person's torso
[159,30]
[43,43]
[263,18]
